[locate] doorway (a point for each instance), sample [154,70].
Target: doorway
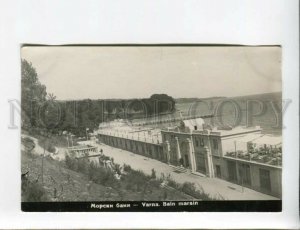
[186,160]
[218,171]
[244,173]
[232,171]
[265,180]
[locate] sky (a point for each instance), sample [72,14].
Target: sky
[103,72]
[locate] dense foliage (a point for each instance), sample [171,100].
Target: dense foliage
[42,112]
[33,191]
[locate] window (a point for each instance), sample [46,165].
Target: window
[197,143]
[215,143]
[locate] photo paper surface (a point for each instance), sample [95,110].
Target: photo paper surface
[143,128]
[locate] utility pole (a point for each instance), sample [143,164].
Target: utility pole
[235,149]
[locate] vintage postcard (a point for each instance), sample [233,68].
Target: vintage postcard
[141,128]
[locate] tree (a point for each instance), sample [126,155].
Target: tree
[33,94]
[162,103]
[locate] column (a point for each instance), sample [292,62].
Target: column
[209,163]
[167,151]
[191,155]
[178,149]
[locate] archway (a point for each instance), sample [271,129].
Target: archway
[184,149]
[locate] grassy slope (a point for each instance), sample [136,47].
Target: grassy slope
[70,185]
[75,186]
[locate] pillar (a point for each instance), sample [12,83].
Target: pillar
[191,155]
[167,151]
[178,149]
[209,163]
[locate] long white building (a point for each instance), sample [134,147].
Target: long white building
[242,155]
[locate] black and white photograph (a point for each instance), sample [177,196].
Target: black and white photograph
[149,114]
[151,128]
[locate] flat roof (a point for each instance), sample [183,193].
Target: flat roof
[249,137]
[269,140]
[236,130]
[149,135]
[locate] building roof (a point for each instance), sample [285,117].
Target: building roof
[251,137]
[149,135]
[237,131]
[191,123]
[269,140]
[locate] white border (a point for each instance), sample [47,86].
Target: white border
[252,22]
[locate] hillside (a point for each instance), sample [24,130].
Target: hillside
[52,180]
[69,185]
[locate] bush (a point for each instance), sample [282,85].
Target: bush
[99,175]
[173,184]
[136,180]
[190,189]
[103,176]
[104,158]
[118,169]
[153,174]
[70,163]
[155,183]
[33,192]
[127,168]
[83,166]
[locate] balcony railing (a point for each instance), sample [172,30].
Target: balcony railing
[154,139]
[267,158]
